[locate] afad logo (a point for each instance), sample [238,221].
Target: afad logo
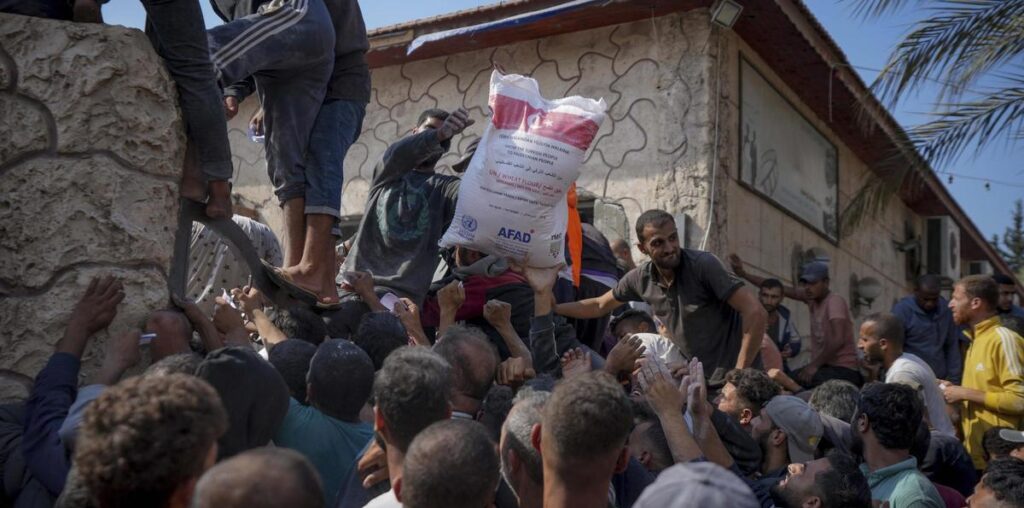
[515,235]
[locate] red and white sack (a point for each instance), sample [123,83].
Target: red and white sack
[512,200]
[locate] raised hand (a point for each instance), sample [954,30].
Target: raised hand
[575,362]
[225,318]
[623,357]
[249,299]
[360,283]
[736,264]
[456,122]
[498,314]
[662,393]
[451,297]
[98,306]
[514,372]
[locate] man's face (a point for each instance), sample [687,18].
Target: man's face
[869,343]
[983,497]
[815,290]
[1006,292]
[770,298]
[960,304]
[927,298]
[661,243]
[433,123]
[627,328]
[727,401]
[798,485]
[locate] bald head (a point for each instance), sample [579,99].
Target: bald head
[173,333]
[260,478]
[473,358]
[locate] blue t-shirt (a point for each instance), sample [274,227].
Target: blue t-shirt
[330,444]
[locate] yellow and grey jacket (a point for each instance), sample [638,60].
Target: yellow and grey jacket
[994,365]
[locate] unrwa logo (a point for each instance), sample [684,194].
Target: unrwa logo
[468,223]
[515,235]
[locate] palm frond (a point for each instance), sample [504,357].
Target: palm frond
[875,8]
[961,41]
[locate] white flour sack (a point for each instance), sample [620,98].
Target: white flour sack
[512,198]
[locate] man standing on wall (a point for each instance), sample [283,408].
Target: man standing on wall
[929,331]
[832,348]
[708,312]
[993,382]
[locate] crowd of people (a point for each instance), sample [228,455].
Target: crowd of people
[420,377]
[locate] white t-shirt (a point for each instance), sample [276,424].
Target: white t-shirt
[914,372]
[385,500]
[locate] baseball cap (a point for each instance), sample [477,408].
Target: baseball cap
[800,422]
[1013,436]
[460,165]
[697,484]
[814,271]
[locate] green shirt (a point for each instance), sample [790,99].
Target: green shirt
[903,486]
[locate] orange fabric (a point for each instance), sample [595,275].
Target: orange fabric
[575,236]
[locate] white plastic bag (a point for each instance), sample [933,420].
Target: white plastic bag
[512,200]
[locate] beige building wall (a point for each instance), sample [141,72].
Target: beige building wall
[769,240]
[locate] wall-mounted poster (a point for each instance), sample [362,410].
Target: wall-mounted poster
[784,158]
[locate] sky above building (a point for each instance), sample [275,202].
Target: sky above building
[867,44]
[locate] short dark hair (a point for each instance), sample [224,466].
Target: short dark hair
[341,379]
[440,114]
[654,435]
[470,376]
[144,437]
[888,327]
[1005,477]
[754,387]
[181,363]
[379,334]
[261,478]
[633,316]
[928,281]
[836,398]
[587,416]
[651,217]
[411,391]
[450,464]
[996,446]
[843,485]
[299,323]
[771,284]
[894,412]
[983,287]
[1003,279]
[291,359]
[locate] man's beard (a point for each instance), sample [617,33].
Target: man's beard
[782,497]
[770,308]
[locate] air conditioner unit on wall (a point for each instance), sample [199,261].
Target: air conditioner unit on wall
[942,256]
[980,268]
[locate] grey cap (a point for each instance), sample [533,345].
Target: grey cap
[814,271]
[1013,436]
[697,484]
[800,422]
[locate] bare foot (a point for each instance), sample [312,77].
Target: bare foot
[304,277]
[218,204]
[575,362]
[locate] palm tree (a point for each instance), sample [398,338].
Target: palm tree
[973,49]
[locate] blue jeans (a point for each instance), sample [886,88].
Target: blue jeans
[337,126]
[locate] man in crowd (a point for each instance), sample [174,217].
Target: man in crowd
[1002,442]
[328,431]
[833,353]
[147,440]
[411,391]
[1007,292]
[992,393]
[473,362]
[582,440]
[624,254]
[726,323]
[746,391]
[929,331]
[407,212]
[638,323]
[451,464]
[1002,485]
[788,431]
[521,465]
[780,326]
[881,341]
[883,431]
[260,478]
[697,484]
[836,398]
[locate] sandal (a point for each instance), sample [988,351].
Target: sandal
[285,282]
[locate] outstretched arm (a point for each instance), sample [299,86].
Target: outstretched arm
[737,267]
[754,318]
[590,308]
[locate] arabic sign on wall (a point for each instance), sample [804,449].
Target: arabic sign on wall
[784,158]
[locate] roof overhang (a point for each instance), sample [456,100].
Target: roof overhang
[785,35]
